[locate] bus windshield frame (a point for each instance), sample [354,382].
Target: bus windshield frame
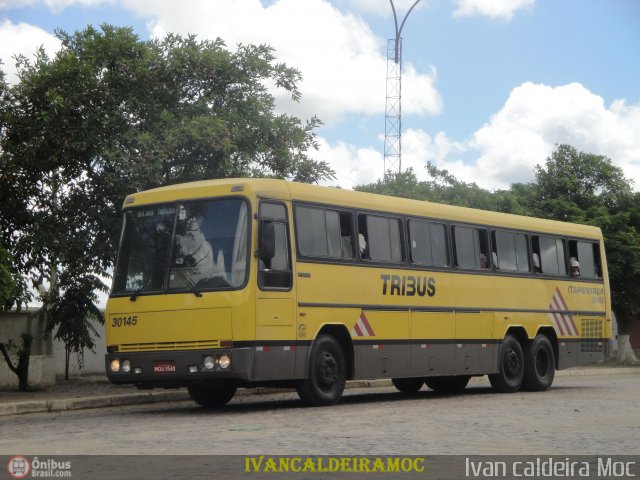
[193,246]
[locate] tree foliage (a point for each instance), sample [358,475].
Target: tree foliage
[111,114]
[442,187]
[571,186]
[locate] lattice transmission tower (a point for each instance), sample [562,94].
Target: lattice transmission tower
[393,110]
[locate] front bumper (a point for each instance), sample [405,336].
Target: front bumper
[189,367]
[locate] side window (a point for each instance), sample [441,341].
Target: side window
[549,255]
[428,243]
[324,233]
[470,247]
[584,259]
[510,251]
[273,247]
[379,238]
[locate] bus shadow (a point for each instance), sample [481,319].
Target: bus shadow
[261,403]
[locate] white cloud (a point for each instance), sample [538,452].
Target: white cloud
[523,133]
[53,5]
[536,118]
[498,9]
[353,165]
[359,166]
[22,39]
[342,61]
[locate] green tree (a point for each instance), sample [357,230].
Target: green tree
[441,187]
[13,288]
[111,114]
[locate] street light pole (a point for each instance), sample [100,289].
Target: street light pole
[393,111]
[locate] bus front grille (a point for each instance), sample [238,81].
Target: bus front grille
[189,345]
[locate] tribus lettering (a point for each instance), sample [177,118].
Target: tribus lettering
[408,285]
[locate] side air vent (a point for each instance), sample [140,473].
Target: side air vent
[591,335]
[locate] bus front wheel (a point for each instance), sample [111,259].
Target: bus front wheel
[511,361]
[539,365]
[327,373]
[212,395]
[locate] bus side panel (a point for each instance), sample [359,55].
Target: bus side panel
[383,356]
[567,354]
[432,348]
[472,328]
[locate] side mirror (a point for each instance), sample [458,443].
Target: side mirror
[267,241]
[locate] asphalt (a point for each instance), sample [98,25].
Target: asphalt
[43,401]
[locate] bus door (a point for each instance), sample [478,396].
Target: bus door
[275,315]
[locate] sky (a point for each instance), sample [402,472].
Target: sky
[489,87]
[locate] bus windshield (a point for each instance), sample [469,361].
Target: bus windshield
[190,246]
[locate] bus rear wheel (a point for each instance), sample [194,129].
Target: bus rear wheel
[212,395]
[511,361]
[455,383]
[327,373]
[539,365]
[408,385]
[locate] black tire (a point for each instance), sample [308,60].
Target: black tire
[212,395]
[327,373]
[511,362]
[408,385]
[451,384]
[539,365]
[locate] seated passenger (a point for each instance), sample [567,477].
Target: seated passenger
[575,267]
[536,263]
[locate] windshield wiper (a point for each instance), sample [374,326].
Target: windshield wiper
[193,288]
[135,294]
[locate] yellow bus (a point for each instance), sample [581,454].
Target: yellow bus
[259,282]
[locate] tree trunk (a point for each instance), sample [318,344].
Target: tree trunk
[626,355]
[67,356]
[22,368]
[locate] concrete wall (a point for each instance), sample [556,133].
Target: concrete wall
[93,362]
[47,355]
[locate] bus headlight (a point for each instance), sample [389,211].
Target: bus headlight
[115,365]
[224,361]
[126,366]
[209,362]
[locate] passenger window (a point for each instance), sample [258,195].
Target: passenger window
[510,252]
[379,238]
[324,233]
[273,248]
[428,243]
[584,259]
[551,254]
[471,247]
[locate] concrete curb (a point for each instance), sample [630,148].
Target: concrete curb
[45,406]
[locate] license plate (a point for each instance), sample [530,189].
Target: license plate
[168,366]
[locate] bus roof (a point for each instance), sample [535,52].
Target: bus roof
[285,190]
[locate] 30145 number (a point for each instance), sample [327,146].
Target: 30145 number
[129,321]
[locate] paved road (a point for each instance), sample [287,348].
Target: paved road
[580,415]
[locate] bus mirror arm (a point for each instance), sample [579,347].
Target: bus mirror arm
[267,241]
